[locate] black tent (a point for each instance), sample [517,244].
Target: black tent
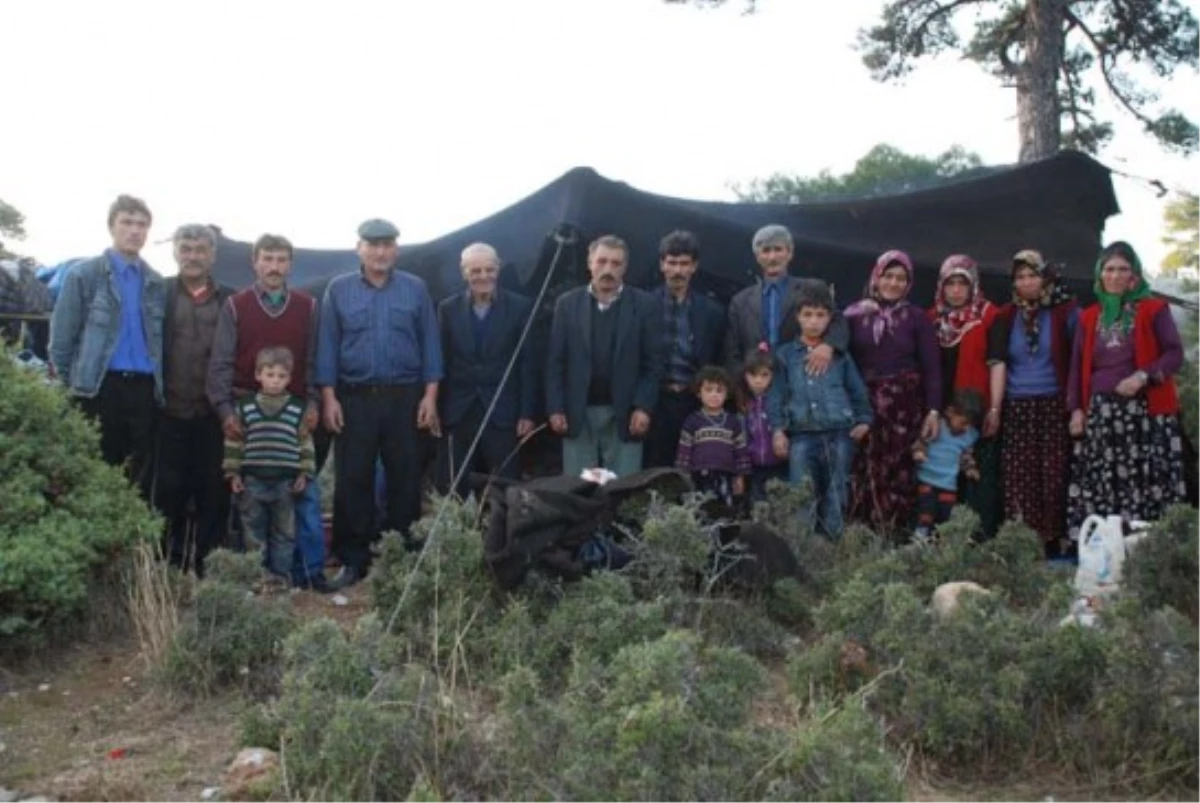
[1058,205]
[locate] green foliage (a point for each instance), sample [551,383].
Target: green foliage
[1084,42]
[883,170]
[240,569]
[1161,571]
[67,520]
[12,222]
[1181,216]
[230,637]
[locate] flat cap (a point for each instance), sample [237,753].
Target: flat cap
[378,229]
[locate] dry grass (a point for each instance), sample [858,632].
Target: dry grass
[153,597]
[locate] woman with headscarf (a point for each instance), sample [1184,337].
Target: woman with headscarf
[1036,331]
[895,349]
[972,360]
[1123,400]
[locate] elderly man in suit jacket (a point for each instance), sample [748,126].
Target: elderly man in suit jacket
[766,311]
[693,328]
[604,365]
[481,332]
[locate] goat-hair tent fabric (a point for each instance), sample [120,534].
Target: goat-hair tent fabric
[1058,205]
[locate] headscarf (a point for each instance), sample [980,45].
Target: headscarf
[879,314]
[1119,309]
[953,323]
[1052,294]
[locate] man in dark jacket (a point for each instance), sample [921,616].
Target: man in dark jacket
[481,331]
[190,441]
[604,366]
[765,312]
[693,328]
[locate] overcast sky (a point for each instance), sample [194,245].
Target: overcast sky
[304,120]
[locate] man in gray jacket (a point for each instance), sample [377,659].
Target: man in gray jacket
[106,340]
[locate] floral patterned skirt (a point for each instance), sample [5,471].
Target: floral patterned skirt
[1128,463]
[885,482]
[1035,453]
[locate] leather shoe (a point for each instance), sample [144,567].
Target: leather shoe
[317,583]
[346,577]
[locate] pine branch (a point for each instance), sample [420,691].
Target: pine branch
[940,11]
[1107,60]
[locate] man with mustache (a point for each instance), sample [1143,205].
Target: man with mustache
[264,315]
[106,341]
[379,361]
[693,333]
[190,440]
[604,365]
[766,311]
[481,328]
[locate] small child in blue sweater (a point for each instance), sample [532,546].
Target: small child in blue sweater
[940,461]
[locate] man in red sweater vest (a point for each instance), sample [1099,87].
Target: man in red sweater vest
[268,313]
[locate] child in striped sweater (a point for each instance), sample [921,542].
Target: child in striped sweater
[273,460]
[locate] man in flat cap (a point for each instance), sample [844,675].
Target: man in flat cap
[379,361]
[766,312]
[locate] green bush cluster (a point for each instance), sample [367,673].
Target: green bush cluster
[229,636]
[68,521]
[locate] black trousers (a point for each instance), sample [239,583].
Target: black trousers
[666,422]
[126,411]
[496,453]
[380,422]
[190,488]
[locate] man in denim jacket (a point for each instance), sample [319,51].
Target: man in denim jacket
[106,340]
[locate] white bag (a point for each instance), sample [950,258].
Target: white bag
[1102,549]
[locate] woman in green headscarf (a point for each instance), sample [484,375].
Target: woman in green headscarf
[1128,456]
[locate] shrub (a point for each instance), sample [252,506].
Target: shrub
[1163,568]
[229,637]
[66,518]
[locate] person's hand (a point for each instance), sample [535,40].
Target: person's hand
[300,484]
[991,422]
[819,359]
[334,421]
[920,456]
[524,427]
[558,424]
[639,423]
[929,429]
[859,432]
[1131,385]
[308,424]
[1078,424]
[232,427]
[780,445]
[739,485]
[236,485]
[427,416]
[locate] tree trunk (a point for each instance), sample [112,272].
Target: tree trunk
[1038,109]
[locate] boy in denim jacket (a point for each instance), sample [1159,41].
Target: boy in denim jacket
[818,419]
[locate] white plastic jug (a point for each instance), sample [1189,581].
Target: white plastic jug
[1101,555]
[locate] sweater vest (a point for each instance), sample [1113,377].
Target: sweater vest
[257,329]
[1162,399]
[271,443]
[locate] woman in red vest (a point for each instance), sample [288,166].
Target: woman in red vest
[1036,331]
[1124,405]
[972,359]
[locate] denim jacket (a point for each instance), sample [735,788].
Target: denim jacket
[87,319]
[803,403]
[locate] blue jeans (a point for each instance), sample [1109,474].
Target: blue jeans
[824,459]
[309,554]
[269,521]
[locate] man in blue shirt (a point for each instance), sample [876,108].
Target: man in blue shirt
[379,361]
[106,340]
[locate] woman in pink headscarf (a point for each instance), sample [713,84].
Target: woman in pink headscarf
[895,347]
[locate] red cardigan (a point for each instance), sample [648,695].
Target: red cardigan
[971,371]
[1163,398]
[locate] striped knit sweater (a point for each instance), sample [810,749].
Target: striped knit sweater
[272,446]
